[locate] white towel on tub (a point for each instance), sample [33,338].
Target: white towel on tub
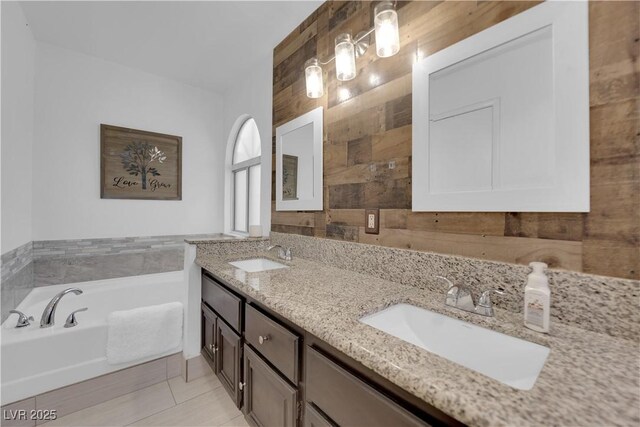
[143,332]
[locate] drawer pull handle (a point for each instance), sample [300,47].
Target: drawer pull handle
[262,339]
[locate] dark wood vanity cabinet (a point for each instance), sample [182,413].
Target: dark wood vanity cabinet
[222,335]
[209,328]
[346,400]
[313,417]
[259,358]
[269,400]
[229,361]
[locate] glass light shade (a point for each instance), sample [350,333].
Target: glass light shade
[345,57]
[386,26]
[313,77]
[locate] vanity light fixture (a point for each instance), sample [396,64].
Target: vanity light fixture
[345,57]
[347,49]
[313,75]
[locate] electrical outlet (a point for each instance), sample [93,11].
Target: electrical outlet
[372,221]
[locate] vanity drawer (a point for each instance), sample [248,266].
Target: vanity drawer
[278,344]
[349,401]
[224,302]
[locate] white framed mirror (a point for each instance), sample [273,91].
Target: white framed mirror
[501,119]
[299,163]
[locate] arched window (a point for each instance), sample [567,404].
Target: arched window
[245,170]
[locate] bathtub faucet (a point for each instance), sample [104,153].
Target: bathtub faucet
[49,313]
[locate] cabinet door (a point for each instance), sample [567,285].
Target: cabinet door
[228,360]
[268,399]
[313,418]
[209,327]
[349,401]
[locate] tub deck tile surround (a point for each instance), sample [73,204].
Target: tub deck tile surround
[588,378]
[16,259]
[53,262]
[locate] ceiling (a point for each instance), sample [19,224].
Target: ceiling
[206,43]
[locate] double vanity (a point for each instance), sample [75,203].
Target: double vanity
[303,342]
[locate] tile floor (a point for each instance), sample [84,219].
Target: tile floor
[201,402]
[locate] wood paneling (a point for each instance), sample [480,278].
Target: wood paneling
[371,126]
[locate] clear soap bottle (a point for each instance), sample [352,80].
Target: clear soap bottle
[537,299]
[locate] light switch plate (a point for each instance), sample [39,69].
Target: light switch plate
[372,221]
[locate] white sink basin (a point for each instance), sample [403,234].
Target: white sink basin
[257,264]
[510,360]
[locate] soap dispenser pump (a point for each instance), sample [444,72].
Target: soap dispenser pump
[537,299]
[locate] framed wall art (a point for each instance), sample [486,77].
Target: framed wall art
[137,164]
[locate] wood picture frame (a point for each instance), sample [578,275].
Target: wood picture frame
[137,164]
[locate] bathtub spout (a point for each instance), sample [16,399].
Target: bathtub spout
[49,313]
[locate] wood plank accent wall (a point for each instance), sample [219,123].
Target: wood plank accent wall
[371,126]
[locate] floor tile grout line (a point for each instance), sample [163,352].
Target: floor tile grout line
[198,395]
[182,403]
[172,395]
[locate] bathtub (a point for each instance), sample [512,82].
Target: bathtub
[36,360]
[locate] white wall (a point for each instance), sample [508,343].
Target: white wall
[251,96]
[74,94]
[18,55]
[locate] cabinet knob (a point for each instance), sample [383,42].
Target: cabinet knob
[262,339]
[241,386]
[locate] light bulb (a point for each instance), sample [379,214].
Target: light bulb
[313,78]
[386,26]
[345,57]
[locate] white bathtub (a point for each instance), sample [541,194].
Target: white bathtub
[37,360]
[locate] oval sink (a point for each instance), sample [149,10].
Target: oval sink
[512,361]
[257,264]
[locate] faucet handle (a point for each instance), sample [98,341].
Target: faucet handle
[485,297]
[71,319]
[485,307]
[23,320]
[451,285]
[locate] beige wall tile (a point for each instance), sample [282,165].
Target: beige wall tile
[174,365]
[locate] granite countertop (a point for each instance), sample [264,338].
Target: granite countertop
[588,378]
[220,238]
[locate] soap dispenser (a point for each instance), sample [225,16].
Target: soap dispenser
[537,299]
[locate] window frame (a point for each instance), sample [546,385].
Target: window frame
[245,165]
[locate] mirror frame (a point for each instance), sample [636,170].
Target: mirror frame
[314,117]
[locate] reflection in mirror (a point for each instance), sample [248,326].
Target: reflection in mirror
[297,164]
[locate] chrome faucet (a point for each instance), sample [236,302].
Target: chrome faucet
[460,297]
[283,253]
[49,313]
[23,319]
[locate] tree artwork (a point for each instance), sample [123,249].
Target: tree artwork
[137,159]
